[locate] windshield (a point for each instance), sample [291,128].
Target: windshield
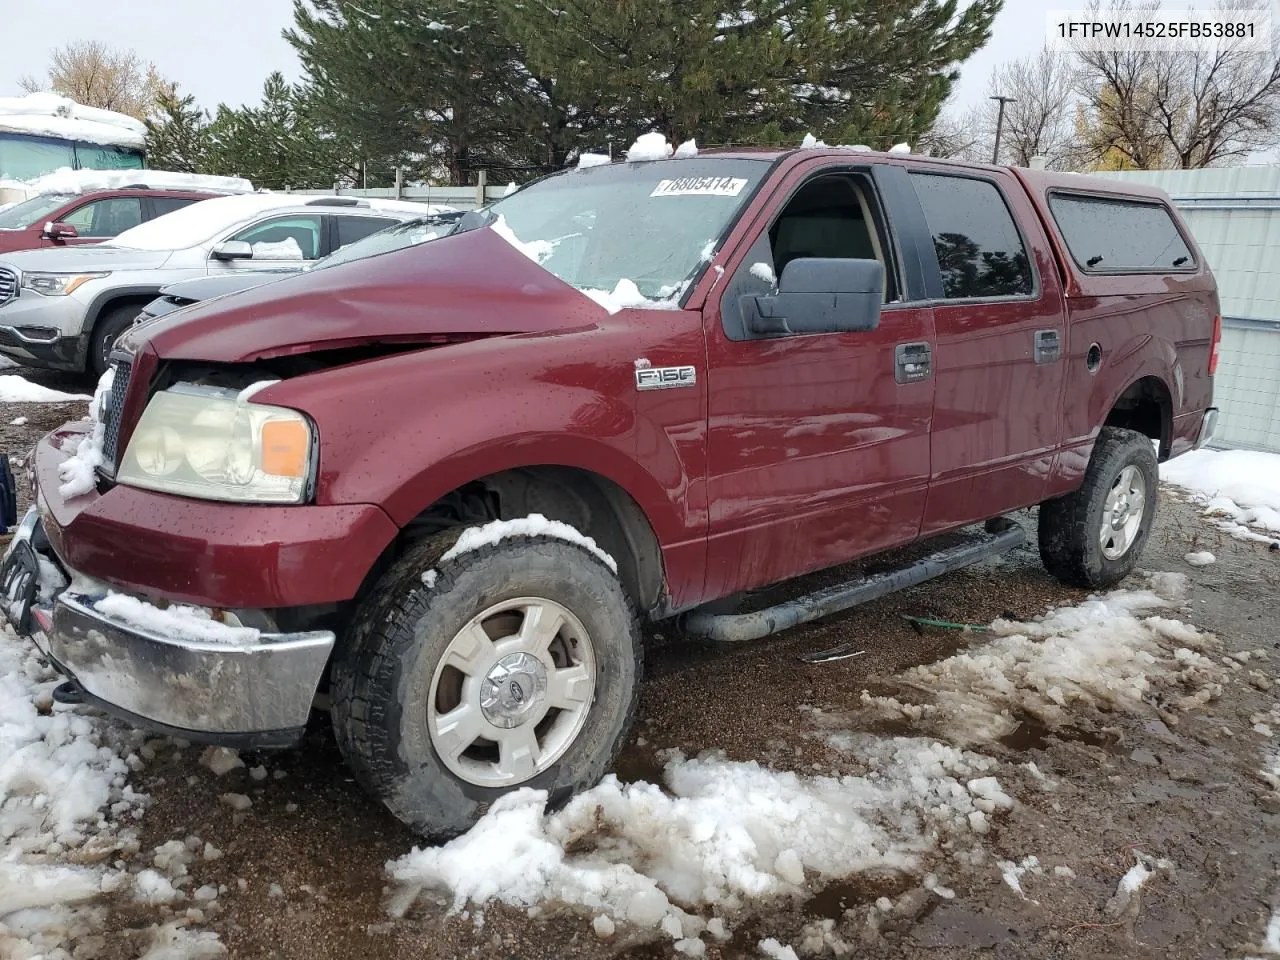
[407,234]
[603,228]
[24,214]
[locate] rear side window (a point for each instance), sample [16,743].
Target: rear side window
[1120,236]
[980,252]
[163,205]
[351,229]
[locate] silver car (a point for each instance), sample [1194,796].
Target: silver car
[63,308]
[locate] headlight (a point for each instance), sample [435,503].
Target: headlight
[216,445]
[58,284]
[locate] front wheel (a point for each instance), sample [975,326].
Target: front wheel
[105,334]
[1094,536]
[518,665]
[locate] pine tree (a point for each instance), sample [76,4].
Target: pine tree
[176,133]
[278,144]
[757,71]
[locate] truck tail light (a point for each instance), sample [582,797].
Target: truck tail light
[1217,345]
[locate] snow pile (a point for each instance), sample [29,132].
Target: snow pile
[1200,558]
[1240,485]
[1098,656]
[16,389]
[687,150]
[534,525]
[51,115]
[724,832]
[63,782]
[286,249]
[536,250]
[65,181]
[586,160]
[810,142]
[900,148]
[649,146]
[78,472]
[177,622]
[763,271]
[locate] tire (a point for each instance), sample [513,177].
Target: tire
[105,332]
[1071,528]
[391,684]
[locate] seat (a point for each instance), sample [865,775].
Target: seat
[825,219]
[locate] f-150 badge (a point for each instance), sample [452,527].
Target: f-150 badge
[663,378]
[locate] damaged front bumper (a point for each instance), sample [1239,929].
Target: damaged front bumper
[256,694]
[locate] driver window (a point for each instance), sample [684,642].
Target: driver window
[276,239]
[831,215]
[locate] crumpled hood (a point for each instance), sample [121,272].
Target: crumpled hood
[90,258]
[471,284]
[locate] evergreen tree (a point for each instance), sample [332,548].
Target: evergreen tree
[278,144]
[757,71]
[176,134]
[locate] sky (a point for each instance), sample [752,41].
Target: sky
[222,51]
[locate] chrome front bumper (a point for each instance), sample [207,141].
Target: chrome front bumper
[254,694]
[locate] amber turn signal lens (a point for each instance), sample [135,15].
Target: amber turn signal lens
[284,448]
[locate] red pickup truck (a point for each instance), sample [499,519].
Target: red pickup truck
[444,483]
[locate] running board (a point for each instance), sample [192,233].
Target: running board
[1001,536]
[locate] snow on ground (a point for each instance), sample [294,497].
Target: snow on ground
[16,389]
[721,833]
[1240,486]
[1100,655]
[6,362]
[718,833]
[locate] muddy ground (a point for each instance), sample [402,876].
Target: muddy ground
[1186,791]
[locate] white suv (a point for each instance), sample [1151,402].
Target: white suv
[63,308]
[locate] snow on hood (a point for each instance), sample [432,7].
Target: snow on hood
[73,182]
[473,284]
[49,114]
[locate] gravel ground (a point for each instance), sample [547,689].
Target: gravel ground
[1185,791]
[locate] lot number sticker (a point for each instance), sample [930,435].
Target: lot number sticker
[700,187]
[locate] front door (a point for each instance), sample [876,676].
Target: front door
[999,360]
[818,445]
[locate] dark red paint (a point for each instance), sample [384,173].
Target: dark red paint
[787,456]
[32,237]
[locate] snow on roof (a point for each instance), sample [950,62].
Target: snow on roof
[198,222]
[51,115]
[68,181]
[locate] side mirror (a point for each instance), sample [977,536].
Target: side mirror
[233,250]
[820,295]
[60,231]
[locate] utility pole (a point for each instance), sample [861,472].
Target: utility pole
[995,154]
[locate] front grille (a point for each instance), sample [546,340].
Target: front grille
[115,407]
[8,285]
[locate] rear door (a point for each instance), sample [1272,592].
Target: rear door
[999,359]
[818,445]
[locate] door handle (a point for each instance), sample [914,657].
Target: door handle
[912,362]
[1048,346]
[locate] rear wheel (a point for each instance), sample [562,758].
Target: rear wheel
[108,329]
[518,666]
[1094,536]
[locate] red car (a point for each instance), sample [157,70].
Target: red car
[444,483]
[58,219]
